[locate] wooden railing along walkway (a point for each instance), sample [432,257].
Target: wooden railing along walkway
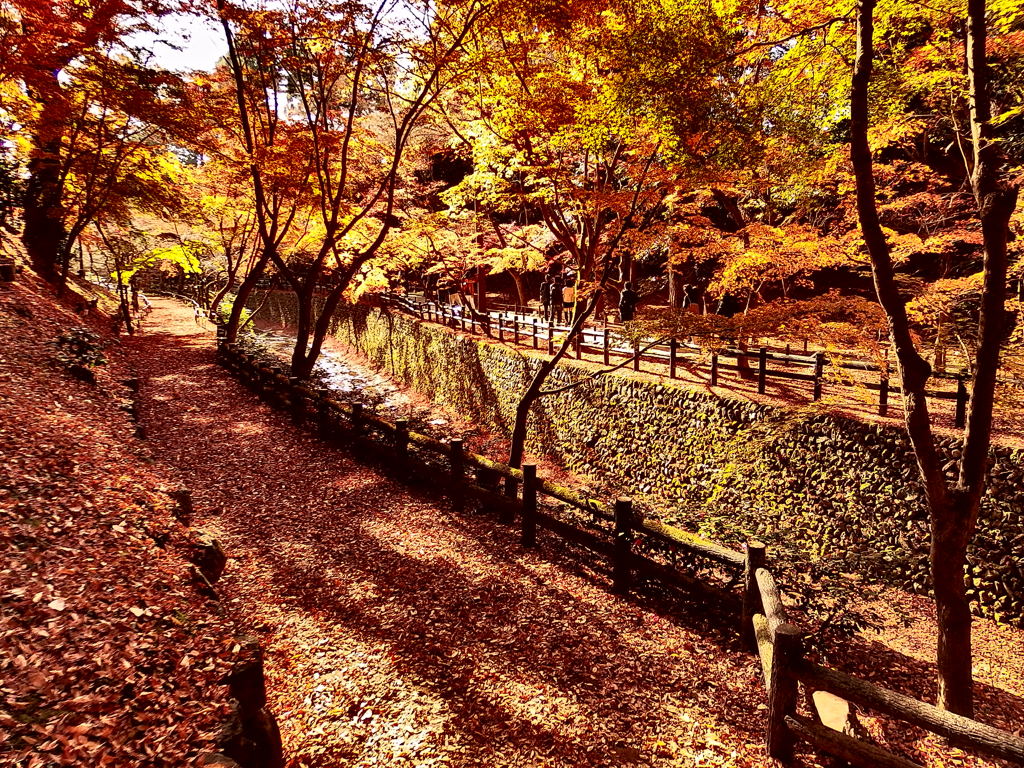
[605,345]
[638,550]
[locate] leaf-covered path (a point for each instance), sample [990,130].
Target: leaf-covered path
[399,633]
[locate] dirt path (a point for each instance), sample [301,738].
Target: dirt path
[401,634]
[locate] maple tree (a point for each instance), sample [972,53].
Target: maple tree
[342,86]
[953,505]
[571,143]
[90,114]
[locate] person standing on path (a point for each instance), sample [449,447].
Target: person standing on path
[569,299]
[627,303]
[545,298]
[556,299]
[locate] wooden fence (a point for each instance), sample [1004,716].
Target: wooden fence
[605,345]
[638,550]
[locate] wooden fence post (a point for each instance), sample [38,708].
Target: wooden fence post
[357,421]
[270,385]
[402,446]
[714,369]
[297,400]
[283,389]
[819,370]
[607,350]
[535,333]
[551,337]
[636,357]
[529,521]
[672,344]
[883,394]
[508,515]
[515,330]
[755,558]
[323,412]
[621,571]
[579,344]
[961,401]
[787,650]
[762,369]
[457,479]
[501,327]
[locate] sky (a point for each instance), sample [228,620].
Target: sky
[184,43]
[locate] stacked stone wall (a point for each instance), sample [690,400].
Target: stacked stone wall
[833,488]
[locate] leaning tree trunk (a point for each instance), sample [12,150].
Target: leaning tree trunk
[229,283]
[534,391]
[517,449]
[242,297]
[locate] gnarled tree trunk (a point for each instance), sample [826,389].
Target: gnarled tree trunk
[953,510]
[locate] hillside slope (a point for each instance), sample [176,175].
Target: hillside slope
[110,653]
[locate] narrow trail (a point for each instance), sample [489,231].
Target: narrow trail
[399,633]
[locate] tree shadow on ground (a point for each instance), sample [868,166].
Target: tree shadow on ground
[502,623]
[455,630]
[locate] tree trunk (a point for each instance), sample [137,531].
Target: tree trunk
[675,289]
[953,658]
[534,391]
[321,328]
[218,298]
[44,232]
[953,512]
[301,363]
[126,311]
[481,291]
[517,278]
[996,199]
[242,297]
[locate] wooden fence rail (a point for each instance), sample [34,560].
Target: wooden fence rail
[780,647]
[620,535]
[599,342]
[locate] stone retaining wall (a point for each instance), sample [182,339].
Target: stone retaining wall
[830,487]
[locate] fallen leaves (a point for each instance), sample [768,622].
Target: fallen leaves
[396,632]
[399,634]
[82,680]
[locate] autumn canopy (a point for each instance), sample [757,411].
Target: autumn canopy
[703,170]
